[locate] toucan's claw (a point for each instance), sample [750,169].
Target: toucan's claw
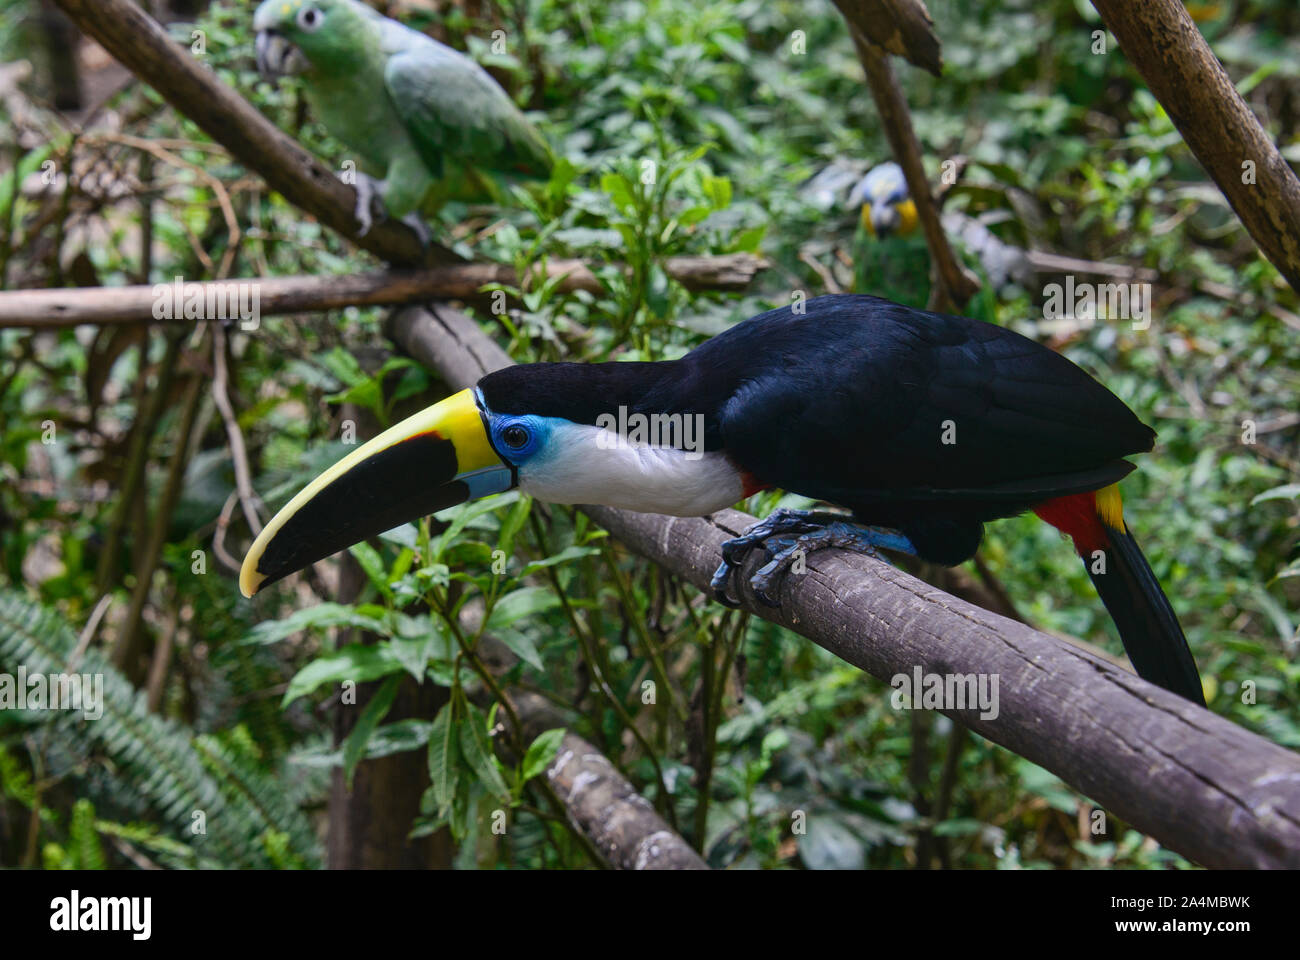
[790,535]
[721,578]
[735,550]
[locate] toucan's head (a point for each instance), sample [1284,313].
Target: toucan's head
[293,35]
[534,427]
[883,202]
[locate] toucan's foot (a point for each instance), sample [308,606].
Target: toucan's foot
[735,551]
[368,192]
[787,537]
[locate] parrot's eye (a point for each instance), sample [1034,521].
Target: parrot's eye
[310,19]
[515,436]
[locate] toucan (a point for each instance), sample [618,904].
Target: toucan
[919,426]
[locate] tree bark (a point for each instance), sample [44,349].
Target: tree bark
[901,27]
[601,803]
[39,309]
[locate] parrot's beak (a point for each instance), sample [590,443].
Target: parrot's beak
[276,56]
[435,459]
[864,215]
[880,219]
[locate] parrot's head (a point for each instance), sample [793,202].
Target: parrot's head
[883,201]
[294,35]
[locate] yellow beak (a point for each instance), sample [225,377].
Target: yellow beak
[435,459]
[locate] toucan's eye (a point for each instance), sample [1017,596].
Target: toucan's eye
[310,19]
[515,436]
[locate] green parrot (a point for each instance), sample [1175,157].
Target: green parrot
[427,121]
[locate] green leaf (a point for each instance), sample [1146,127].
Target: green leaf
[444,759]
[693,215]
[404,536]
[367,395]
[319,617]
[523,647]
[1290,491]
[718,190]
[541,752]
[357,662]
[513,523]
[619,189]
[748,241]
[960,827]
[476,747]
[373,564]
[463,515]
[521,603]
[355,745]
[564,556]
[344,366]
[416,644]
[398,737]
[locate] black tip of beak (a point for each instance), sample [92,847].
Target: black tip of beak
[409,480]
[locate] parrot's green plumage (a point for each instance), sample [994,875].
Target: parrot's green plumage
[428,122]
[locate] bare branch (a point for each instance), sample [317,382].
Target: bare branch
[279,295]
[621,824]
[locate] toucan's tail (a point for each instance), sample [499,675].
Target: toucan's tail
[1152,636]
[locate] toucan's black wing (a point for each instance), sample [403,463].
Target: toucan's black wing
[859,399]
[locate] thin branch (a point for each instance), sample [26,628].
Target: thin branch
[248,500]
[214,184]
[282,295]
[127,649]
[956,284]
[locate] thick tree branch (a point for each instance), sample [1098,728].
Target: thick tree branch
[605,806]
[1163,43]
[279,295]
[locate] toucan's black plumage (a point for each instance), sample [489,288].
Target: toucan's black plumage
[849,401]
[923,425]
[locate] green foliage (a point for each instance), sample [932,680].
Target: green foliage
[680,128]
[183,781]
